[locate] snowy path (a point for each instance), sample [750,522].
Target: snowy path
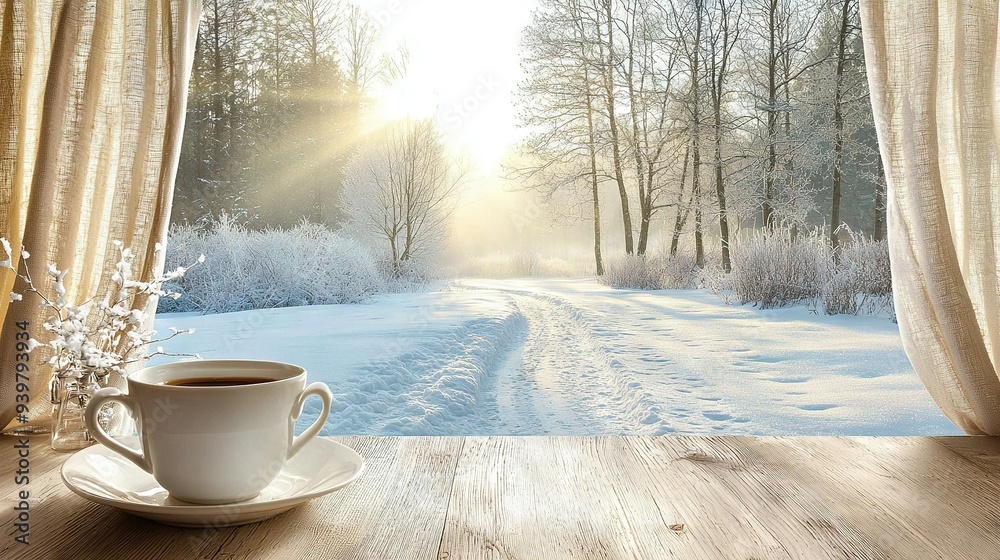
[561,381]
[533,357]
[706,367]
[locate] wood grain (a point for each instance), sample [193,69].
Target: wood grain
[406,484]
[568,497]
[533,497]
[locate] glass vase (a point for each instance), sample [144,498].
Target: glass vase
[71,392]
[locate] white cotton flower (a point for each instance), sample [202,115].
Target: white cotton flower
[25,255]
[32,344]
[51,270]
[14,296]
[157,247]
[201,259]
[117,243]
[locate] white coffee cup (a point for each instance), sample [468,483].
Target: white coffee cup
[213,444]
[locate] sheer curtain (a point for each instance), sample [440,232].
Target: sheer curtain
[92,102]
[932,69]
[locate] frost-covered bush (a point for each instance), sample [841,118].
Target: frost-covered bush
[637,272]
[861,281]
[526,262]
[655,271]
[716,280]
[679,272]
[773,270]
[246,269]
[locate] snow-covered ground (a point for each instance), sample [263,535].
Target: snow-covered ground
[573,357]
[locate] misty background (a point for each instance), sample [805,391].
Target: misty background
[693,123]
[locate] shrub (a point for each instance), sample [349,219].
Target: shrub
[773,270]
[861,281]
[637,272]
[245,269]
[651,272]
[679,272]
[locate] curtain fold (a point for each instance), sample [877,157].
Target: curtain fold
[92,103]
[932,70]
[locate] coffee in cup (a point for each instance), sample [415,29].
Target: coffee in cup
[213,431]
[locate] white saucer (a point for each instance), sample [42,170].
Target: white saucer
[101,475]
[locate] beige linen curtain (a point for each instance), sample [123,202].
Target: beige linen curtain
[92,102]
[932,69]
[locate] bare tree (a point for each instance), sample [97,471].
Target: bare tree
[360,58]
[846,29]
[210,177]
[649,64]
[603,20]
[725,18]
[781,50]
[689,21]
[560,101]
[402,190]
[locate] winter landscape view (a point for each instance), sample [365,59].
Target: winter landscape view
[545,217]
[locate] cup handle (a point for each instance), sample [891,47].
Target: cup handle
[102,397]
[323,392]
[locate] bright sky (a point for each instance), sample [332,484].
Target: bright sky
[463,69]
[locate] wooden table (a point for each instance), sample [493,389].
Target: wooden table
[570,497]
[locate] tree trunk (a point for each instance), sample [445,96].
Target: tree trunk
[217,116]
[838,125]
[789,161]
[609,82]
[592,148]
[598,262]
[720,191]
[772,121]
[646,207]
[699,248]
[645,212]
[718,91]
[682,212]
[878,227]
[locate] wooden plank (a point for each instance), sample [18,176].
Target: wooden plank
[406,485]
[983,451]
[607,497]
[396,511]
[912,497]
[729,501]
[533,497]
